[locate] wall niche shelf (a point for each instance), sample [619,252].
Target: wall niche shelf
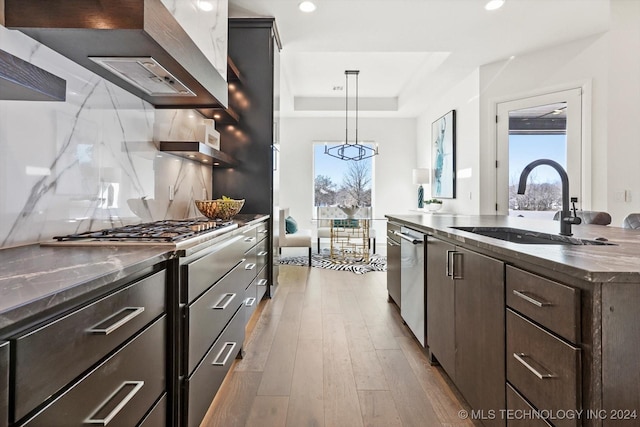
[195,150]
[23,81]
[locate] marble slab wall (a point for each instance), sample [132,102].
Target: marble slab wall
[91,162]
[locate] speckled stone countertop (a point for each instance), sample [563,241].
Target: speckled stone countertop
[619,263]
[35,278]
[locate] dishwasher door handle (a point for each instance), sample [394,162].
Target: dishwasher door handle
[409,238]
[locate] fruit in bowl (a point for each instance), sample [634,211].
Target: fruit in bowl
[223,209]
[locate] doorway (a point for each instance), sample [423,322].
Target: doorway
[546,126]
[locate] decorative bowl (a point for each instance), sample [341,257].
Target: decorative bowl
[222,209]
[350,211]
[434,207]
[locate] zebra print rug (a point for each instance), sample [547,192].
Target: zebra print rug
[376,263]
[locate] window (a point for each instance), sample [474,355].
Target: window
[341,182]
[542,127]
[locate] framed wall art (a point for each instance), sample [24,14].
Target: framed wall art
[443,156]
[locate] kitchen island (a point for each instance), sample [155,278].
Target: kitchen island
[545,327]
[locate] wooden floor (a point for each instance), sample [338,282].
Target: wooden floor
[329,350]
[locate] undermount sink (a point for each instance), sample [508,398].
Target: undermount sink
[515,235]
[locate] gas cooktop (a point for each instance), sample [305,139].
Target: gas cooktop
[170,232]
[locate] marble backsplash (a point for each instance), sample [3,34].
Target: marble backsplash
[91,162]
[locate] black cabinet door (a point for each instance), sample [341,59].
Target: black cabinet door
[480,331]
[441,305]
[4,384]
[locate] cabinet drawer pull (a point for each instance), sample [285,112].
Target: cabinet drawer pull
[227,297]
[265,231]
[448,266]
[250,301]
[101,329]
[250,266]
[228,345]
[262,282]
[529,299]
[453,267]
[249,239]
[135,386]
[262,253]
[520,358]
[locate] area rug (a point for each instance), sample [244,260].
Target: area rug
[322,260]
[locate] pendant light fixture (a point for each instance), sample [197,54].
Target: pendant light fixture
[351,150]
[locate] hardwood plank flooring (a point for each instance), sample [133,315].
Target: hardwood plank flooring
[329,350]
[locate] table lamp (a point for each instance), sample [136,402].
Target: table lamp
[421,176]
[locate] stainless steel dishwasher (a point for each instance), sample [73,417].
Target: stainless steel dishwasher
[412,286]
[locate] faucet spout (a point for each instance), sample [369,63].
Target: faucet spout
[565,218]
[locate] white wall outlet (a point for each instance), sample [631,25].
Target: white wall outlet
[619,196]
[627,196]
[172,192]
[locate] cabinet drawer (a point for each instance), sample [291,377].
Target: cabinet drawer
[545,369]
[262,254]
[201,387]
[204,272]
[249,237]
[262,230]
[4,384]
[119,391]
[254,293]
[262,284]
[551,304]
[75,342]
[157,417]
[521,414]
[209,314]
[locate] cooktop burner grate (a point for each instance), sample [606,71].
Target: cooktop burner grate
[158,231]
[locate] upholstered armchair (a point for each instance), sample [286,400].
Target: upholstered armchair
[590,217]
[631,221]
[300,239]
[326,214]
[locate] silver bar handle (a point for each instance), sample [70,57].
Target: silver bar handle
[250,266]
[250,301]
[409,238]
[263,253]
[137,385]
[262,282]
[447,269]
[98,330]
[529,299]
[453,267]
[227,297]
[249,239]
[520,358]
[227,345]
[265,231]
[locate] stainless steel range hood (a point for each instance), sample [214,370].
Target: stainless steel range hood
[119,40]
[146,74]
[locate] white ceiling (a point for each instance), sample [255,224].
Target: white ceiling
[407,51]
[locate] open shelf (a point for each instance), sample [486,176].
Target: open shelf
[195,150]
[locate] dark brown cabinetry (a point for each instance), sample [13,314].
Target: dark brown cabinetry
[393,263]
[4,384]
[84,365]
[465,321]
[220,290]
[544,360]
[254,48]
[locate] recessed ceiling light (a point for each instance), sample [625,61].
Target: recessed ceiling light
[307,6]
[494,4]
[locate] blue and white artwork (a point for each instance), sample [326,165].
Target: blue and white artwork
[443,135]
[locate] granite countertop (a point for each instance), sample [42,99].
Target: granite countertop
[35,278]
[606,263]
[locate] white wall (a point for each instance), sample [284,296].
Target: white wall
[394,190]
[623,110]
[463,98]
